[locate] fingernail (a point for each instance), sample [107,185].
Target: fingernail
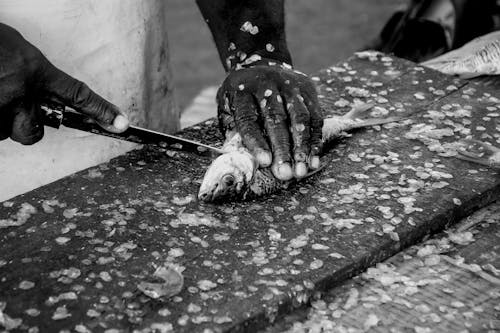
[314,162]
[300,169]
[282,171]
[265,159]
[120,123]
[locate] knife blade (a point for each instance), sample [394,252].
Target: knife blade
[55,115]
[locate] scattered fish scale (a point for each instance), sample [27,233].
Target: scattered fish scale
[448,294]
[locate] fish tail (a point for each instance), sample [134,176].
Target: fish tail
[479,152]
[358,111]
[333,127]
[378,121]
[359,114]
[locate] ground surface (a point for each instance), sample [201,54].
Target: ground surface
[320,33]
[450,283]
[74,254]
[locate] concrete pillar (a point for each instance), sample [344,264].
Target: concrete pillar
[120,49]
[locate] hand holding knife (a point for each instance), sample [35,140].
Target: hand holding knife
[56,115]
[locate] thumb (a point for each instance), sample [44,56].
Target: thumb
[80,97]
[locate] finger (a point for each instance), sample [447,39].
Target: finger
[79,96]
[316,140]
[300,125]
[224,115]
[276,124]
[247,121]
[27,126]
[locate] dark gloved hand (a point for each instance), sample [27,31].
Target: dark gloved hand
[27,78]
[276,111]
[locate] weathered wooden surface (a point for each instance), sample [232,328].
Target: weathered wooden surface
[447,284]
[245,263]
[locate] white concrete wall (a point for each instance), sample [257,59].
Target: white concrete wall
[63,153]
[119,48]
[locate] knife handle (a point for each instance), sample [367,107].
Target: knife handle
[52,115]
[55,115]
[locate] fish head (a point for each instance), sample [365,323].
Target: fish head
[229,176]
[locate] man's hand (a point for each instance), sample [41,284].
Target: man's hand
[273,107]
[270,99]
[27,78]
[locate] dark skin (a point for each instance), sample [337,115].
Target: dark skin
[274,107]
[27,79]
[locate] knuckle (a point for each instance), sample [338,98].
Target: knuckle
[226,122]
[275,111]
[245,117]
[102,115]
[95,106]
[301,147]
[317,124]
[300,133]
[80,93]
[300,115]
[280,138]
[252,140]
[27,140]
[281,155]
[276,122]
[300,155]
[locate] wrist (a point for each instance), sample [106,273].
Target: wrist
[242,61]
[241,56]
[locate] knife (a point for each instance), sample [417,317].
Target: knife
[55,115]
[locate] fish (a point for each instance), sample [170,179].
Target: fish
[479,152]
[481,56]
[235,175]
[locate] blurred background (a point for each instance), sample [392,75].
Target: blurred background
[319,32]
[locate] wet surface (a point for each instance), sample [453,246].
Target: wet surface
[450,283]
[81,247]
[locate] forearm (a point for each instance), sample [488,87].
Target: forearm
[245,28]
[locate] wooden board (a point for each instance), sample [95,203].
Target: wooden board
[450,283]
[246,263]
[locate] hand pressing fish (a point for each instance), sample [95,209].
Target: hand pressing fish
[479,152]
[236,175]
[481,56]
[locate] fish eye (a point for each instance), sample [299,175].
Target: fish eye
[228,180]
